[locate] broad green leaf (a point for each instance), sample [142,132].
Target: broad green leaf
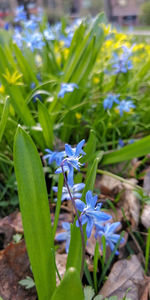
[75,249]
[46,124]
[90,147]
[35,213]
[4,117]
[70,287]
[137,149]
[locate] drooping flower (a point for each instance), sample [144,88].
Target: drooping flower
[71,161]
[125,105]
[109,232]
[74,191]
[110,100]
[65,236]
[54,156]
[67,88]
[90,212]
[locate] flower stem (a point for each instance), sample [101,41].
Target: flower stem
[80,225]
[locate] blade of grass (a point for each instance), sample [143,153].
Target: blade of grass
[4,117]
[58,206]
[147,252]
[96,257]
[109,261]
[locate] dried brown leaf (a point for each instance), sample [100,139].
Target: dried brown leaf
[61,260]
[128,200]
[126,275]
[10,225]
[14,266]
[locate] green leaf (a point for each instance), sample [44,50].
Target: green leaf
[88,293]
[4,117]
[90,147]
[91,176]
[70,287]
[147,252]
[35,213]
[96,256]
[75,249]
[46,124]
[137,149]
[100,297]
[58,205]
[28,283]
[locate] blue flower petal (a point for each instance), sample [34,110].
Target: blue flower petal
[66,225]
[69,151]
[89,227]
[79,148]
[61,236]
[80,205]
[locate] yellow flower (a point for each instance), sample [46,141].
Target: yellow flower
[108,43]
[66,52]
[58,59]
[78,116]
[2,89]
[13,78]
[95,79]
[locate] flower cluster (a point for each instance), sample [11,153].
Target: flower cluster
[123,105]
[93,217]
[32,37]
[90,212]
[123,63]
[75,189]
[67,160]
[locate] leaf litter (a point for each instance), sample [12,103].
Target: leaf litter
[126,275]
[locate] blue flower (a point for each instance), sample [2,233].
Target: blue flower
[65,236]
[48,34]
[90,213]
[74,191]
[33,41]
[125,105]
[109,232]
[20,14]
[131,141]
[36,97]
[122,63]
[66,88]
[54,156]
[120,143]
[110,100]
[66,39]
[72,161]
[31,25]
[17,38]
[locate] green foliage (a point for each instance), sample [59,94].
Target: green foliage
[70,287]
[145,13]
[137,149]
[35,213]
[28,282]
[4,117]
[147,252]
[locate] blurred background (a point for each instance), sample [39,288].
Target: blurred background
[121,12]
